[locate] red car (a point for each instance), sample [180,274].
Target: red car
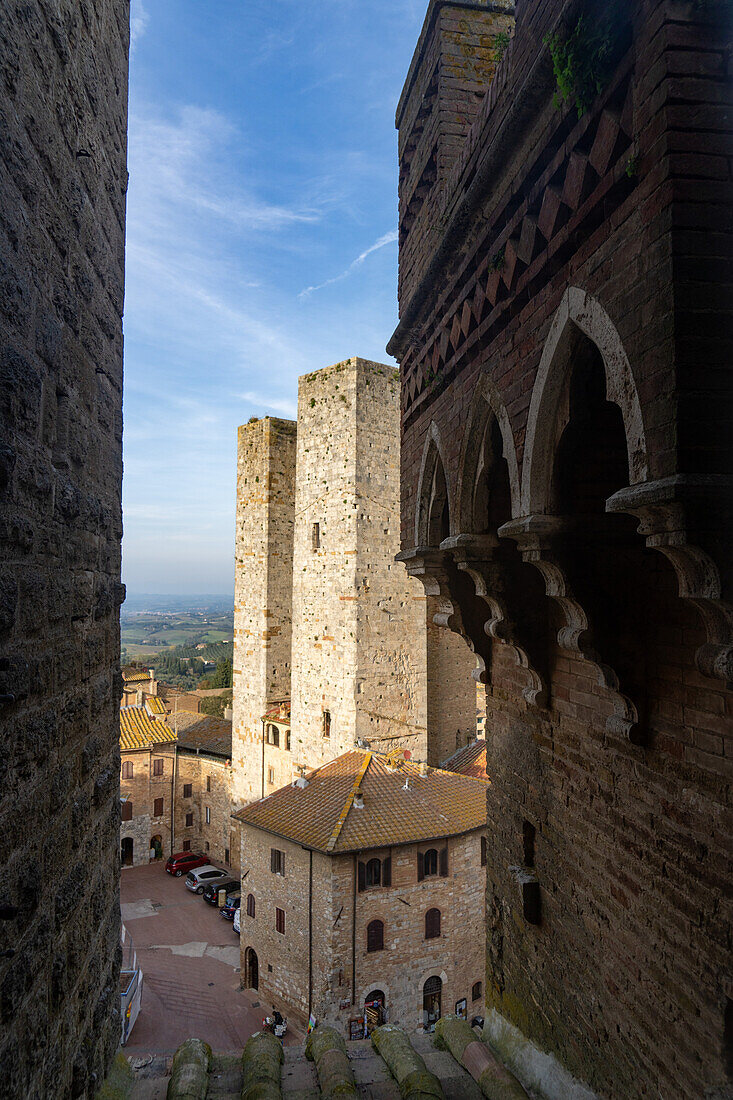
[180,863]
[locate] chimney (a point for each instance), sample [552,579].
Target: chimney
[358,800]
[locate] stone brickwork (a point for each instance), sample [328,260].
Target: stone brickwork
[263,590]
[338,961]
[564,345]
[63,102]
[210,779]
[358,620]
[142,789]
[454,710]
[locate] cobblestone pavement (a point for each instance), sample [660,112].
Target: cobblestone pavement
[190,962]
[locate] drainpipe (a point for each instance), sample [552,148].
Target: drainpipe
[310,935]
[353,936]
[263,757]
[173,797]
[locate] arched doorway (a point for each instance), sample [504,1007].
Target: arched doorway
[126,851]
[374,1010]
[431,1003]
[251,969]
[156,847]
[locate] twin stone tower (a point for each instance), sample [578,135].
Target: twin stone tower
[334,645]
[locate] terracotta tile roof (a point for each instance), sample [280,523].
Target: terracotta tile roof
[202,731]
[155,705]
[138,729]
[470,760]
[135,675]
[278,712]
[322,815]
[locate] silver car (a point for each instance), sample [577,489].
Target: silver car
[202,876]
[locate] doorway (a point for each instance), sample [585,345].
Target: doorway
[156,847]
[431,1006]
[251,969]
[126,851]
[374,1011]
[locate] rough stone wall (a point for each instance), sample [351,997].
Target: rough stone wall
[609,718]
[263,590]
[63,102]
[220,836]
[142,790]
[358,620]
[451,701]
[408,959]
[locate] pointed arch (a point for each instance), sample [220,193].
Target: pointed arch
[484,404]
[432,514]
[548,411]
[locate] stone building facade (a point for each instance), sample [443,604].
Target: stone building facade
[203,789]
[63,106]
[354,894]
[564,345]
[331,636]
[147,771]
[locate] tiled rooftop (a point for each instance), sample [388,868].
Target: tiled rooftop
[138,729]
[278,712]
[401,806]
[155,705]
[470,760]
[202,731]
[135,675]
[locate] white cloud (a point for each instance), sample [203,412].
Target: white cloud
[287,408]
[139,20]
[386,238]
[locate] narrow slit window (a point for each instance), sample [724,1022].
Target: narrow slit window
[316,536]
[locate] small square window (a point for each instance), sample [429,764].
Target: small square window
[189,820]
[187,790]
[187,845]
[158,767]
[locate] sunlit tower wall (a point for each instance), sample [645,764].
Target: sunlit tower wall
[359,637]
[262,591]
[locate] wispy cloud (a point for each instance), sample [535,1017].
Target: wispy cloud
[386,238]
[287,408]
[139,19]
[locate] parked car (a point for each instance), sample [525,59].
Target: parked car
[233,902]
[211,892]
[237,915]
[182,862]
[198,880]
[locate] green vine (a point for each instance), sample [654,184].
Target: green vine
[496,263]
[582,62]
[501,44]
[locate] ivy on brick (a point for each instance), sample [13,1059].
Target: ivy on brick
[582,61]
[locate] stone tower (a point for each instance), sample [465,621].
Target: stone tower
[262,591]
[359,640]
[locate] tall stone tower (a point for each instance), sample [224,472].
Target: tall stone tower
[359,639]
[262,592]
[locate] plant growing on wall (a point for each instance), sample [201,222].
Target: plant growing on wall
[582,62]
[501,44]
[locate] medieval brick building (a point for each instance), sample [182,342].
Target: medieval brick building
[147,774]
[564,345]
[364,893]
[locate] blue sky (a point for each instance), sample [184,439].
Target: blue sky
[261,244]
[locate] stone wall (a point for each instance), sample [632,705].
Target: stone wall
[358,620]
[408,958]
[451,696]
[142,790]
[63,101]
[210,778]
[263,590]
[564,350]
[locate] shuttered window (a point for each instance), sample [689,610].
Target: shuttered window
[127,811]
[187,790]
[127,770]
[432,862]
[277,861]
[189,820]
[280,921]
[483,851]
[250,905]
[158,807]
[375,936]
[432,924]
[158,767]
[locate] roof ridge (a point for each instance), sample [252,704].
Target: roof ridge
[347,805]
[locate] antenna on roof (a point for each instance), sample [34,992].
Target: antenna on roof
[406,785]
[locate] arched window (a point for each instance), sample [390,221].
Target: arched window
[127,770]
[273,735]
[375,936]
[250,905]
[432,924]
[476,991]
[430,862]
[127,811]
[483,851]
[373,872]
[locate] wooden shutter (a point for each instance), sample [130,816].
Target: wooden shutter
[362,876]
[273,857]
[444,862]
[282,863]
[387,871]
[420,866]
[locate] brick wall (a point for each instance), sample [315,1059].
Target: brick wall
[210,779]
[564,315]
[143,789]
[63,98]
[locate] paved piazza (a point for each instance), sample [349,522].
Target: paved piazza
[190,962]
